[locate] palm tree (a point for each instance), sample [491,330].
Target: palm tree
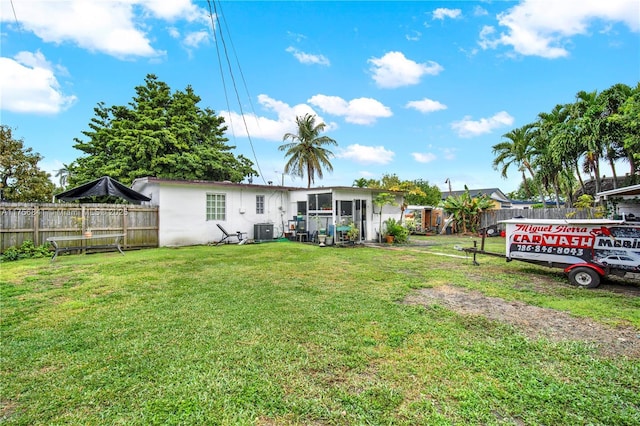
[586,116]
[305,151]
[466,209]
[63,175]
[565,146]
[361,183]
[548,164]
[626,118]
[611,100]
[519,151]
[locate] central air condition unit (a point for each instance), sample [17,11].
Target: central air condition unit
[263,231]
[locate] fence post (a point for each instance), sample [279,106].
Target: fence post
[124,226]
[36,226]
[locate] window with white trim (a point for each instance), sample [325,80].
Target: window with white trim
[216,207]
[259,204]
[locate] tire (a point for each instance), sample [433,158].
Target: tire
[584,277]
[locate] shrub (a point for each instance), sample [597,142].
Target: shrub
[27,250]
[10,254]
[395,228]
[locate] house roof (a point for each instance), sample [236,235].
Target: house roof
[493,193]
[531,202]
[251,185]
[209,183]
[627,191]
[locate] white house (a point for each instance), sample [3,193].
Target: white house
[190,210]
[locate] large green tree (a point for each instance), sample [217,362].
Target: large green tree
[306,152]
[595,130]
[21,180]
[625,120]
[429,195]
[160,134]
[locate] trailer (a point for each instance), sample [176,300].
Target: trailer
[586,249]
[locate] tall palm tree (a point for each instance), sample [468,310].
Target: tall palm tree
[612,133]
[586,115]
[517,150]
[306,151]
[627,119]
[565,145]
[549,164]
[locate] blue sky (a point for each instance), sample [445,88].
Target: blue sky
[422,89]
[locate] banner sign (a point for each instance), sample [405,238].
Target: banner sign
[612,246]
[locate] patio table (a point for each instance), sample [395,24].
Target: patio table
[96,241]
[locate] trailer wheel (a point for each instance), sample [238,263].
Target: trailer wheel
[584,277]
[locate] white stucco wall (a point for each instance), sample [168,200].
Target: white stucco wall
[182,209]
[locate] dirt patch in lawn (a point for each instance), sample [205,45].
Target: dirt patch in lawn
[533,321]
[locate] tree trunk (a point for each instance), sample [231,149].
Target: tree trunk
[596,170]
[538,187]
[615,176]
[584,190]
[556,188]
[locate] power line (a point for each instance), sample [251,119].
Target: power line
[14,14]
[213,11]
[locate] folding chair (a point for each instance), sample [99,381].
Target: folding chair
[226,235]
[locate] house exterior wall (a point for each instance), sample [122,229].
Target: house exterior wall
[182,209]
[626,208]
[364,217]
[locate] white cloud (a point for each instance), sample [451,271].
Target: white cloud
[395,70]
[414,35]
[174,9]
[297,37]
[366,174]
[366,154]
[111,27]
[480,11]
[449,153]
[51,167]
[442,13]
[307,58]
[195,39]
[268,128]
[356,111]
[173,32]
[29,85]
[467,128]
[426,105]
[426,157]
[542,28]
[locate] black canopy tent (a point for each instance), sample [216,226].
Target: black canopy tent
[105,186]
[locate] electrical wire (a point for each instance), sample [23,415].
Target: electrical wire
[14,14]
[215,18]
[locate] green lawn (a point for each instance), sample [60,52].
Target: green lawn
[287,333]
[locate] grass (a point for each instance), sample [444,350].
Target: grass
[286,333]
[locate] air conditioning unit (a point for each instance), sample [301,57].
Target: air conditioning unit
[263,231]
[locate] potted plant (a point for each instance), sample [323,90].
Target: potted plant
[353,234]
[322,236]
[395,232]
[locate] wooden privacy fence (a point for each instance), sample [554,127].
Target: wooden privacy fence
[37,222]
[492,217]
